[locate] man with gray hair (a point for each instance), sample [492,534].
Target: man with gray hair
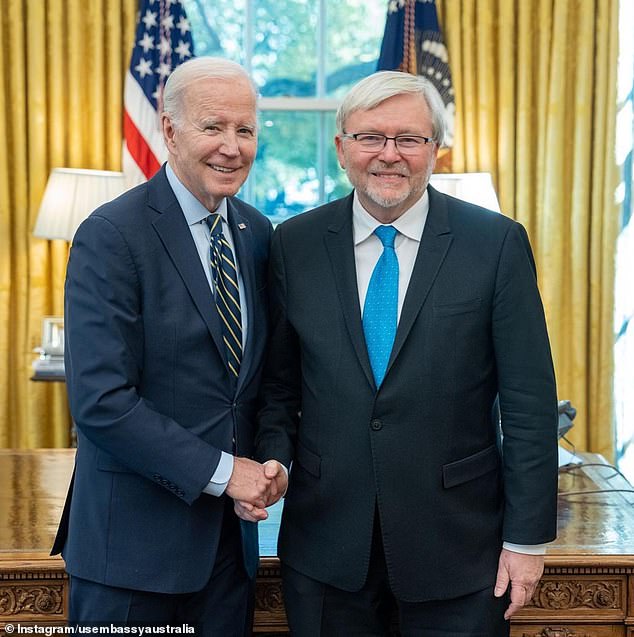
[166,326]
[398,315]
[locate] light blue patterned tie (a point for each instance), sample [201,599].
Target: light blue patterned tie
[381,305]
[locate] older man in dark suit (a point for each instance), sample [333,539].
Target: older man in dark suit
[398,315]
[166,327]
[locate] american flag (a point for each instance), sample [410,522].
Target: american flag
[163,40]
[413,42]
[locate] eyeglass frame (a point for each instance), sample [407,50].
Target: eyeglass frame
[354,136]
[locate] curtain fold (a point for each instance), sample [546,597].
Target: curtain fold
[60,105]
[535,87]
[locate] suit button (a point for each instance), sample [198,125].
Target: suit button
[376,424]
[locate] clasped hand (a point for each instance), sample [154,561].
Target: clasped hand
[254,486]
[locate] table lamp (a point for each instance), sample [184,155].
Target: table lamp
[71,195]
[476,188]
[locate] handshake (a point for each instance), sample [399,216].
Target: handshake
[254,486]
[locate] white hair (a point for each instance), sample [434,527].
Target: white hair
[193,70]
[378,87]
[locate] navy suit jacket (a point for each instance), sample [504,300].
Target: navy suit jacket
[423,448]
[150,392]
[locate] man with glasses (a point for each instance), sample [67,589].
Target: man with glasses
[399,314]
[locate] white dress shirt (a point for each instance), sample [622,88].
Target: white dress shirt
[368,247]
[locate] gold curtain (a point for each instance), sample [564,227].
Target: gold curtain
[535,87]
[61,98]
[535,95]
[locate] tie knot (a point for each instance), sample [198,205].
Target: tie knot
[214,221]
[387,235]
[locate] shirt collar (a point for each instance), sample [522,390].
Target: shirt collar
[410,224]
[193,210]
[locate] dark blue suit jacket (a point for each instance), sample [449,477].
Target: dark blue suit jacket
[422,449]
[150,393]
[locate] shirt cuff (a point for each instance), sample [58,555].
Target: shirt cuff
[527,549]
[222,474]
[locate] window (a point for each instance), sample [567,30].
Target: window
[303,55]
[624,297]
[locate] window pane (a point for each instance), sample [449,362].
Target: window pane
[218,27]
[285,178]
[296,167]
[285,47]
[624,352]
[355,31]
[335,181]
[624,299]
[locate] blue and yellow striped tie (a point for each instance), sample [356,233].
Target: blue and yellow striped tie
[227,294]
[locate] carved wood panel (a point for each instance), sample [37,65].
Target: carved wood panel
[564,598]
[571,630]
[32,600]
[270,615]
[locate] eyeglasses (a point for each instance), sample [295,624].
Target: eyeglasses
[375,142]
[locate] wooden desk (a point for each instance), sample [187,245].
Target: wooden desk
[588,585]
[587,589]
[34,585]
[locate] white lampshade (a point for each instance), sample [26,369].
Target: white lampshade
[476,188]
[71,195]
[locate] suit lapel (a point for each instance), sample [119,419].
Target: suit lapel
[175,235]
[340,246]
[433,248]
